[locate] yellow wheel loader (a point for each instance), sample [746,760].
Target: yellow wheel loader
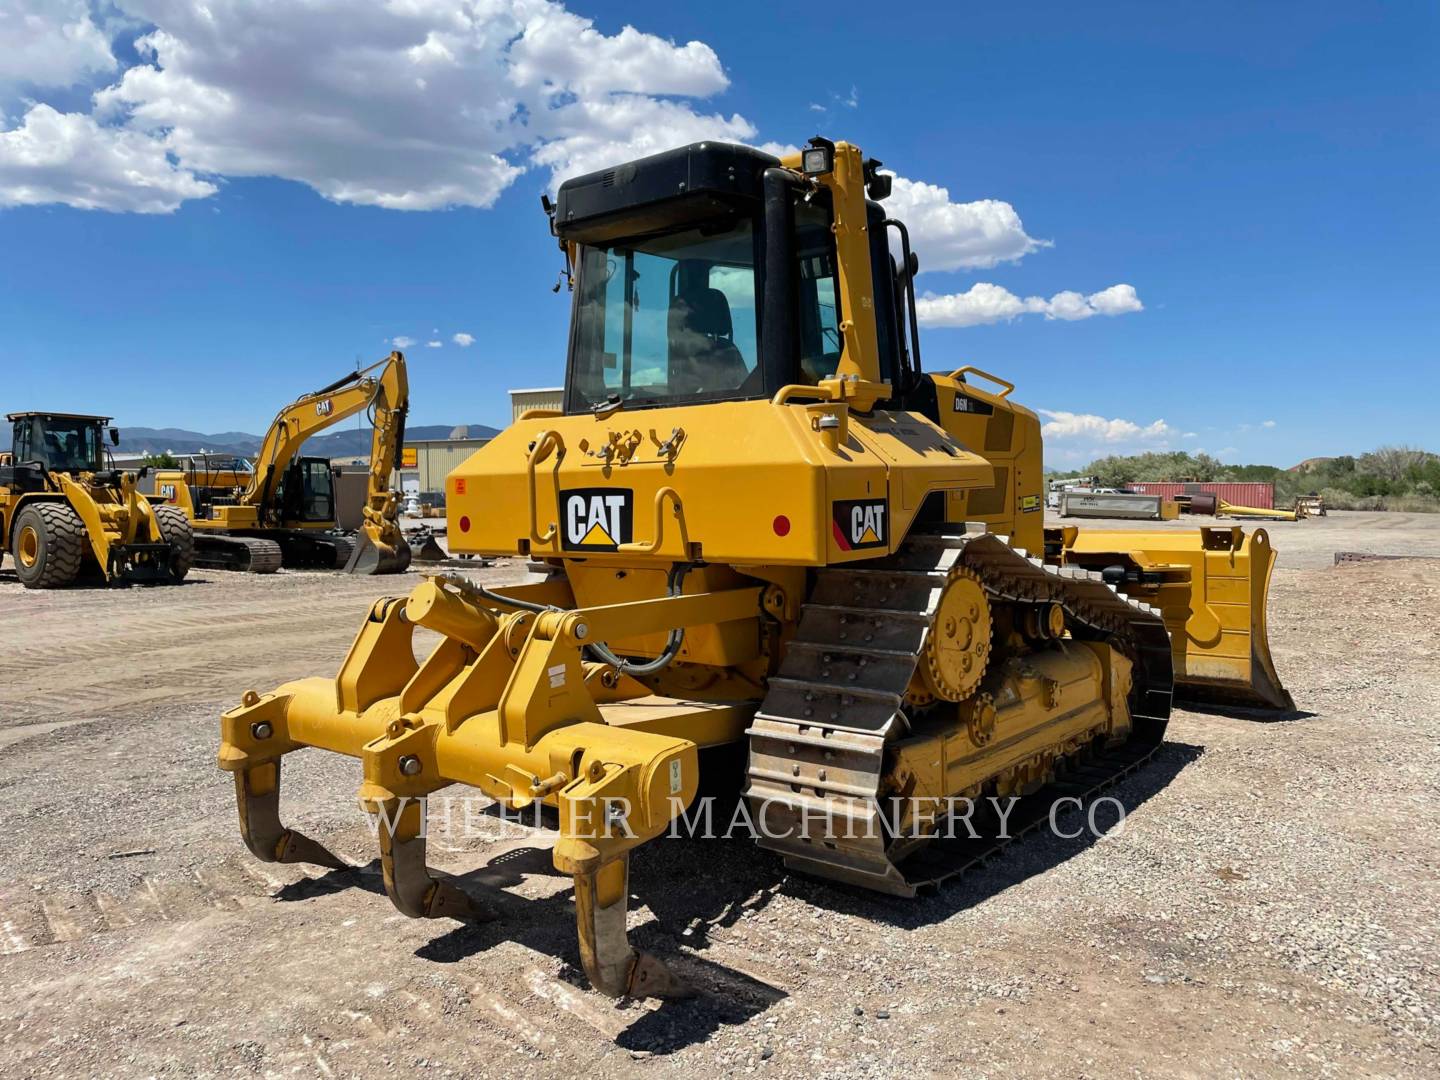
[769,530]
[285,512]
[65,516]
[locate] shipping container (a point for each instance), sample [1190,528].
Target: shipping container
[1261,496]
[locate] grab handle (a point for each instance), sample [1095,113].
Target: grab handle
[546,442]
[654,545]
[973,370]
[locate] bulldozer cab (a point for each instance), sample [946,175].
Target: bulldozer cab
[60,442]
[727,291]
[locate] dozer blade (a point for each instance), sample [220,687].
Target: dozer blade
[1212,587]
[374,556]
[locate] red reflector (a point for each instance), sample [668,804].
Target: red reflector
[781,525]
[464,523]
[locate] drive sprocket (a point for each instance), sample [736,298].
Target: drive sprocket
[957,647]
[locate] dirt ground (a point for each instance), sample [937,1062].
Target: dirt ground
[1271,907]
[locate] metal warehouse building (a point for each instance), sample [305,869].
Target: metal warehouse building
[545,397]
[424,463]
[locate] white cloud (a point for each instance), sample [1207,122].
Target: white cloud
[400,341]
[434,344]
[1189,435]
[1068,425]
[406,104]
[51,43]
[1116,300]
[985,303]
[1268,424]
[413,105]
[463,339]
[952,236]
[68,158]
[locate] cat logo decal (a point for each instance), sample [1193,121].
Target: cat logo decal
[860,523]
[596,519]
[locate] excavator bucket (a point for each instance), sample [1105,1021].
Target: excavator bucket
[1212,590]
[427,549]
[374,555]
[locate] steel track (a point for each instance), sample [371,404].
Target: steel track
[818,742]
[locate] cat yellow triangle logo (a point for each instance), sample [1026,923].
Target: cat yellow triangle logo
[869,537]
[597,535]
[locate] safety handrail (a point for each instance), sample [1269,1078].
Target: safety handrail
[785,393]
[539,451]
[654,545]
[972,369]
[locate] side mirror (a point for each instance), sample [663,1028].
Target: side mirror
[114,436]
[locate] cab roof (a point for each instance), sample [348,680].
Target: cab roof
[59,416]
[656,193]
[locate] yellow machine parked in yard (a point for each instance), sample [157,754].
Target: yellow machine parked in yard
[64,515]
[285,514]
[769,529]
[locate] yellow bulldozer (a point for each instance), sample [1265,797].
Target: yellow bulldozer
[767,529]
[285,512]
[66,516]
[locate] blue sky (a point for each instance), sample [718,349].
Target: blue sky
[1263,176]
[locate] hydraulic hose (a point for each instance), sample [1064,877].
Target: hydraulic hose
[674,585]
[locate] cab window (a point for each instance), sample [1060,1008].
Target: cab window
[668,317]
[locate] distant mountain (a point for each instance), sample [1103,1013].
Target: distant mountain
[347,442]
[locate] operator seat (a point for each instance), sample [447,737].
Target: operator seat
[57,451]
[703,354]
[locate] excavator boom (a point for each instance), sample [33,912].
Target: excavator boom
[272,516]
[380,548]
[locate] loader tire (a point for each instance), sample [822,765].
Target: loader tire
[49,545]
[175,530]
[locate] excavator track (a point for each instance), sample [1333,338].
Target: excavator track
[819,740]
[245,554]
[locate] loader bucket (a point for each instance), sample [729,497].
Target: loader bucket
[1211,587]
[374,556]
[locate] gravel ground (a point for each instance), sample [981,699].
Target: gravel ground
[1269,907]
